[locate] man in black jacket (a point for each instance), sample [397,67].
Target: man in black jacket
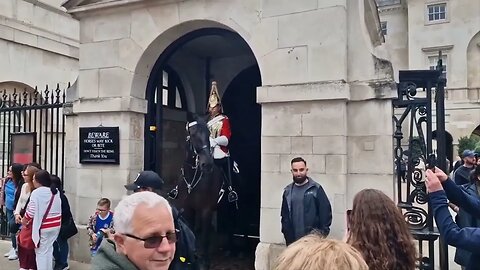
[305,206]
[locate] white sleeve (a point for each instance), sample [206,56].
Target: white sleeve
[213,143]
[222,140]
[22,200]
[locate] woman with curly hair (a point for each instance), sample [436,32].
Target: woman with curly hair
[378,230]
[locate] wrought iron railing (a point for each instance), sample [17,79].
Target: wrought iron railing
[40,114]
[413,126]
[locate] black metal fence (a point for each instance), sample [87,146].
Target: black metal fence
[39,116]
[413,137]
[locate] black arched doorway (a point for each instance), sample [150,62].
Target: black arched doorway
[192,63]
[245,115]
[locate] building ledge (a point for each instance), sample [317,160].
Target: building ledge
[437,48]
[81,6]
[15,31]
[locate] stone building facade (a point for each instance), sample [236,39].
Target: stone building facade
[38,48]
[325,92]
[415,31]
[38,44]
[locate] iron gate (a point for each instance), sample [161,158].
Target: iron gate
[40,115]
[414,150]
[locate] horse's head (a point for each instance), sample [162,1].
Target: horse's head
[199,137]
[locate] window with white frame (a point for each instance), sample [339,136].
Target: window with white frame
[433,62]
[437,12]
[172,91]
[383,26]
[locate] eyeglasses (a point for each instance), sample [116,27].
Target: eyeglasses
[155,241]
[102,210]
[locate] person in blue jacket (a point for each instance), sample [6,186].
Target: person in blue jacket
[440,187]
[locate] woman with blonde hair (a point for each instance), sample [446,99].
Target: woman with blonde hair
[313,252]
[378,230]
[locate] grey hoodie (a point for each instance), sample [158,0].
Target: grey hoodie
[107,258]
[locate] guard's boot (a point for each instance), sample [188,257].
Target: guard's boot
[232,195]
[173,193]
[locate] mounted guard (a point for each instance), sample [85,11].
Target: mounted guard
[220,133]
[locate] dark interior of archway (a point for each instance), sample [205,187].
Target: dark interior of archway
[476,131]
[448,147]
[240,106]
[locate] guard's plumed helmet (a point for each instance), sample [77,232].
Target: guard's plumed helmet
[214,98]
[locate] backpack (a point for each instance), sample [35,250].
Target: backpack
[185,254]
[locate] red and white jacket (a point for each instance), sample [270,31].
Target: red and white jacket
[220,134]
[39,200]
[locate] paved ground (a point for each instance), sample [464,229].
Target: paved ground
[218,263]
[5,264]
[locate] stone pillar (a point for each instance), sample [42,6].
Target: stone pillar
[313,125]
[86,183]
[335,111]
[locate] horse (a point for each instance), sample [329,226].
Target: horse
[199,187]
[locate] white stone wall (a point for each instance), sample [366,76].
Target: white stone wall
[463,16]
[38,44]
[396,39]
[410,45]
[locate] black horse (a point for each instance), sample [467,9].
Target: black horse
[199,187]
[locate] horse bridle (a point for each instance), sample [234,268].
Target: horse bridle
[195,180]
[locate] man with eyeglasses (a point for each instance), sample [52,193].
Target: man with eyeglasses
[185,256]
[145,235]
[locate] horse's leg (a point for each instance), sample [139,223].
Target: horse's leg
[204,237]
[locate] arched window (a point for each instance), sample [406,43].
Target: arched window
[173,93]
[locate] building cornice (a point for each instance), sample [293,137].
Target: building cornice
[75,6]
[48,7]
[391,9]
[437,48]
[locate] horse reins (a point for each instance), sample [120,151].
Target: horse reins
[191,185]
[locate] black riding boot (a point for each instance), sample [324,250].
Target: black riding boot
[224,165]
[232,195]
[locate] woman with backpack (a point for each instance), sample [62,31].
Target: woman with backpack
[67,229]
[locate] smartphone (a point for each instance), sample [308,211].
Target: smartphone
[431,163]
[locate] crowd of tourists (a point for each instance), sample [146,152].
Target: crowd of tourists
[377,236]
[39,219]
[144,231]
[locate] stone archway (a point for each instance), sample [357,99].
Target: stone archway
[199,57]
[170,39]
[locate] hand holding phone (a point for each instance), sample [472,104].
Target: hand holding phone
[431,162]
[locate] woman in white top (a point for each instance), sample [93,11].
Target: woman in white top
[26,257]
[25,191]
[44,231]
